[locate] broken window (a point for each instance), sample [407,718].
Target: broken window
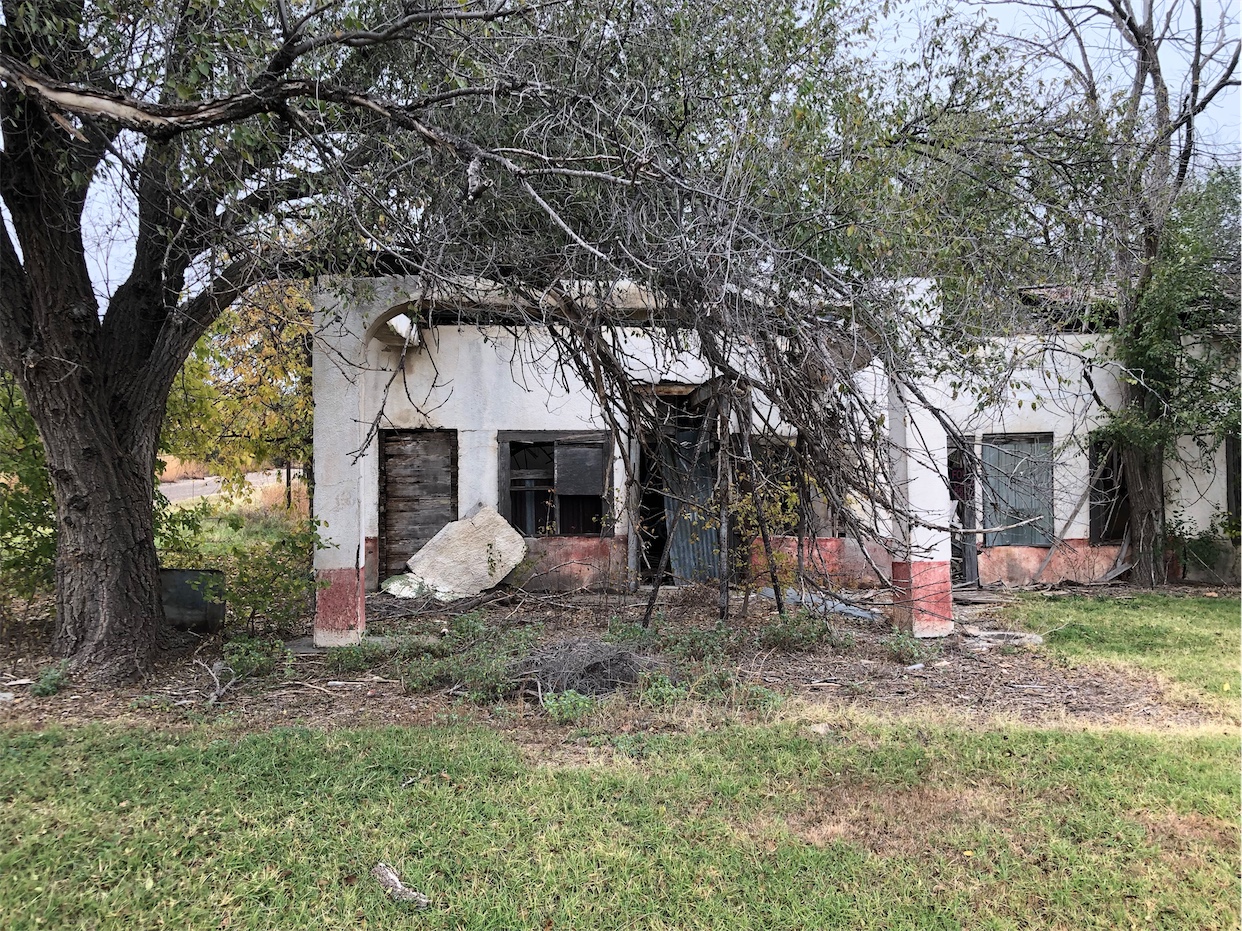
[554,484]
[1016,482]
[963,554]
[1110,502]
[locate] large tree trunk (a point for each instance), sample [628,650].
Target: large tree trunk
[109,611]
[96,384]
[1141,453]
[1144,474]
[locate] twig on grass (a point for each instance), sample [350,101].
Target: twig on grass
[214,671]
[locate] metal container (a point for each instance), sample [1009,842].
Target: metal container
[193,599]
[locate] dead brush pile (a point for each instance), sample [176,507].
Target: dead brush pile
[585,665]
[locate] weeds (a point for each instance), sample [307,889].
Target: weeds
[473,657]
[801,631]
[710,645]
[51,680]
[255,656]
[631,634]
[908,650]
[356,658]
[659,691]
[759,698]
[568,707]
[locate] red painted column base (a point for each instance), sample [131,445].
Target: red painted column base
[340,607]
[923,603]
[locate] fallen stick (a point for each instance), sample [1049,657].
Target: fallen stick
[305,685]
[396,889]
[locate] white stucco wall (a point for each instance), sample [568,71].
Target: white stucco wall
[1055,391]
[481,380]
[471,379]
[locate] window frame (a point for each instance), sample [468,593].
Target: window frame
[600,438]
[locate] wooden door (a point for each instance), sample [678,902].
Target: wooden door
[418,492]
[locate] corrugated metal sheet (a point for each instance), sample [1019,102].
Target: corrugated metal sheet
[694,554]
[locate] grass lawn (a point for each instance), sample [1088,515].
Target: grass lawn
[1191,641]
[820,819]
[872,824]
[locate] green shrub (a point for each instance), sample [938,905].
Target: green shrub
[631,634]
[758,698]
[909,650]
[51,680]
[840,640]
[255,656]
[794,633]
[568,707]
[272,583]
[468,628]
[711,645]
[27,509]
[473,657]
[657,690]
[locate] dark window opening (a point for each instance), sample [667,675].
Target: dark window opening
[531,500]
[1016,481]
[964,561]
[555,486]
[1233,490]
[1110,501]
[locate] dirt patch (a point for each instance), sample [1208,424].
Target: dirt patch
[1188,844]
[1182,832]
[898,822]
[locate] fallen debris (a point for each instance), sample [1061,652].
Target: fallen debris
[216,671]
[387,877]
[979,639]
[464,559]
[968,596]
[822,603]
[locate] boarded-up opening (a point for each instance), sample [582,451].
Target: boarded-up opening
[1017,489]
[418,492]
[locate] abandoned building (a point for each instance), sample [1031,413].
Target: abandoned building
[420,423]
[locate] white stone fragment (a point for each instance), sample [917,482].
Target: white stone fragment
[465,558]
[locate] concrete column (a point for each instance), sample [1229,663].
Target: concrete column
[340,601]
[923,601]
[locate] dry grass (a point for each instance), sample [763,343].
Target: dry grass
[177,469]
[898,822]
[272,498]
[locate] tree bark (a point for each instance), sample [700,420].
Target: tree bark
[108,605]
[1144,476]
